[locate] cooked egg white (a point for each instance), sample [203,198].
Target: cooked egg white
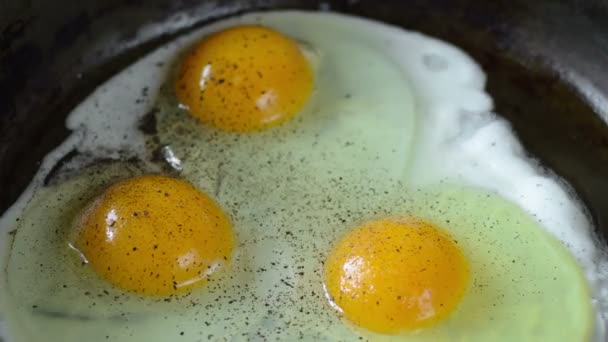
[397,124]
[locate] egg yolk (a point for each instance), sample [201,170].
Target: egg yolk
[395,275]
[245,78]
[154,235]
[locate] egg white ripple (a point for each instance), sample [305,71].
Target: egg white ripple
[458,135]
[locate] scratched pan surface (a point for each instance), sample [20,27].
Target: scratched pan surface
[547,66]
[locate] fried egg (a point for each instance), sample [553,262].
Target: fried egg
[369,132]
[490,289]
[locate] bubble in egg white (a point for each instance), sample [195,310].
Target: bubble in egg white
[434,62]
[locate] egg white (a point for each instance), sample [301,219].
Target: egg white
[457,137]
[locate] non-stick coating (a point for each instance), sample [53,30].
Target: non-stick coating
[547,66]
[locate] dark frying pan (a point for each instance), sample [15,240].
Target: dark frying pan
[547,63]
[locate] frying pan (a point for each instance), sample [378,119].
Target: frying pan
[547,66]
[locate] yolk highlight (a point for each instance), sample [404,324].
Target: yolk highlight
[154,235]
[245,78]
[395,275]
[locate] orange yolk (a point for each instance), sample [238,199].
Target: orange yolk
[154,235]
[395,275]
[245,78]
